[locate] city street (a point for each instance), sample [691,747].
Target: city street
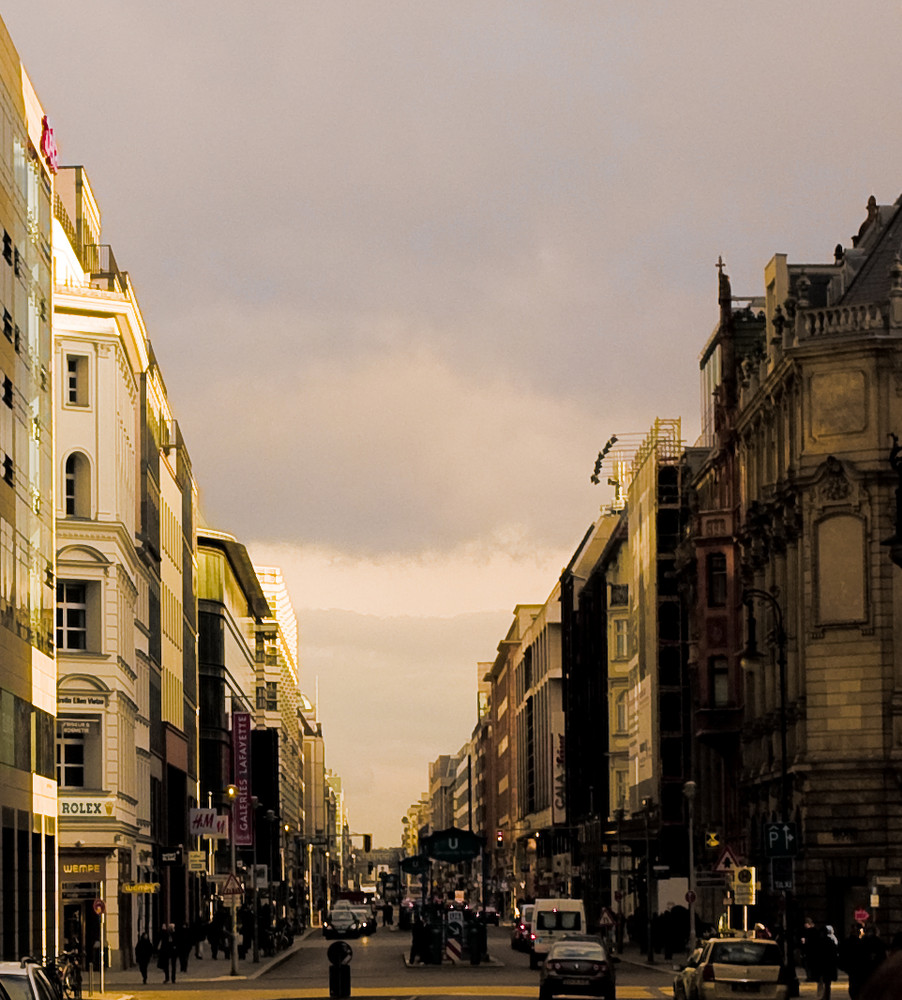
[378,969]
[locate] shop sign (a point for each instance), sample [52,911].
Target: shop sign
[141,887]
[86,807]
[80,699]
[48,147]
[82,871]
[207,823]
[558,771]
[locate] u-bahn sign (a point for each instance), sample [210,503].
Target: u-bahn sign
[453,844]
[415,865]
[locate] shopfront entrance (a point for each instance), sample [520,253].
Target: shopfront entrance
[82,881]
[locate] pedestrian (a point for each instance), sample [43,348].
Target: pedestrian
[215,931]
[166,953]
[860,954]
[183,945]
[821,959]
[389,914]
[806,942]
[143,954]
[417,942]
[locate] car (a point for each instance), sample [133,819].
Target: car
[25,980]
[577,967]
[552,919]
[341,922]
[366,920]
[521,939]
[489,915]
[683,982]
[729,967]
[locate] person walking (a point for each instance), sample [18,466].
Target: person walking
[143,954]
[861,954]
[166,953]
[821,956]
[183,945]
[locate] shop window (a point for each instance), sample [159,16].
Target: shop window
[78,485]
[76,380]
[78,753]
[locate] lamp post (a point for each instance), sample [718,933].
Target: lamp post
[232,797]
[750,655]
[647,806]
[689,790]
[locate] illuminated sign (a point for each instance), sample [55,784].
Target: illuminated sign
[86,807]
[48,147]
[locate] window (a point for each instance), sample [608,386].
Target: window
[78,752]
[71,616]
[621,638]
[76,380]
[720,682]
[717,580]
[77,486]
[621,712]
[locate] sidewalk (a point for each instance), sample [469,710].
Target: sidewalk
[122,984]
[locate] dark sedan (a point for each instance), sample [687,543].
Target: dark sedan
[577,968]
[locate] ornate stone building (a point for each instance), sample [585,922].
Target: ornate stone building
[803,390]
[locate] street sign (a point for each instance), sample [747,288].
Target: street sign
[607,918]
[888,880]
[781,840]
[417,864]
[197,861]
[782,875]
[727,861]
[861,915]
[691,897]
[232,887]
[453,844]
[99,907]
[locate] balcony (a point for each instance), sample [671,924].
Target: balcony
[100,263]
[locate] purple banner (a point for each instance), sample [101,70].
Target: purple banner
[243,831]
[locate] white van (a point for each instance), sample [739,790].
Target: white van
[551,920]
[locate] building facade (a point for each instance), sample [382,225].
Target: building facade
[28,816]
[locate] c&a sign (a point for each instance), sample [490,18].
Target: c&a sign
[48,147]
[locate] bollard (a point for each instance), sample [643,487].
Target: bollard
[339,954]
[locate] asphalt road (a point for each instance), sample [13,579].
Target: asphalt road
[378,969]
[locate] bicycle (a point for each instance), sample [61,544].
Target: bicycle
[64,972]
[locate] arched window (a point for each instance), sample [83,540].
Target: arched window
[78,485]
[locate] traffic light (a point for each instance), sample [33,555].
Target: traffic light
[745,886]
[367,843]
[499,837]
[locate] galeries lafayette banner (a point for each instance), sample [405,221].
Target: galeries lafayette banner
[241,750]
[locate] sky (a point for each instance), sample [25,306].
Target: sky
[407,265]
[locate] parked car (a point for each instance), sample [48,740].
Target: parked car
[341,922]
[684,981]
[577,966]
[521,931]
[25,980]
[489,915]
[726,967]
[366,920]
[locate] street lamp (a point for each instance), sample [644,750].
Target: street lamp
[749,658]
[689,790]
[231,799]
[647,806]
